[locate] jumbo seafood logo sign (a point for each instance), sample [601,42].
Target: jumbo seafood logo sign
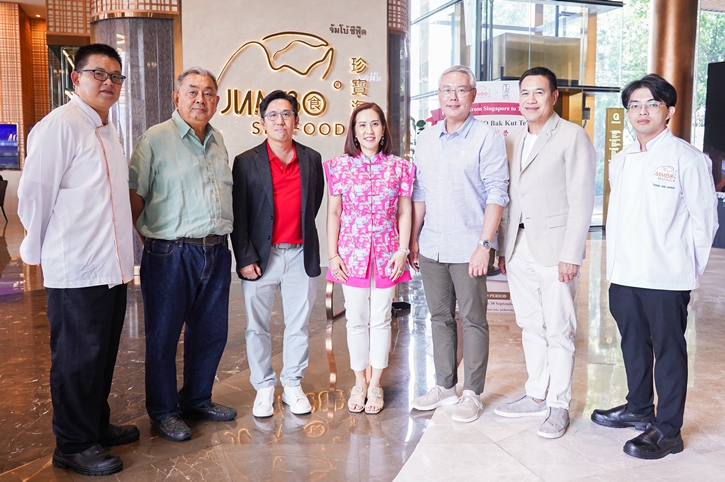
[305,55]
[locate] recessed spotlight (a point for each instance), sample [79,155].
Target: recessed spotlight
[37,15]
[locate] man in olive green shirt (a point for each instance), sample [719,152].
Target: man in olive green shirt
[181,200]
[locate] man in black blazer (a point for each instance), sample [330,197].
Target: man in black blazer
[278,190]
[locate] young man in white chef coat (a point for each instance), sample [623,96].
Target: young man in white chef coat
[661,223]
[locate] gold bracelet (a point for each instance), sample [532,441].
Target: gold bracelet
[330,259]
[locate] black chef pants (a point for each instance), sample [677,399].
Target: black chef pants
[652,324]
[85,330]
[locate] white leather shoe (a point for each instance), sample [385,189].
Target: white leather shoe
[297,400]
[264,402]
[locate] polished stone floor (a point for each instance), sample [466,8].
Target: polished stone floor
[398,444]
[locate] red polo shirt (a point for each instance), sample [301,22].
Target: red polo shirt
[287,189]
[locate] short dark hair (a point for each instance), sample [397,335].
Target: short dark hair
[544,72]
[660,89]
[85,52]
[352,147]
[276,95]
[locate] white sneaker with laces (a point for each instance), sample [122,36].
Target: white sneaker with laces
[434,398]
[298,402]
[468,407]
[264,402]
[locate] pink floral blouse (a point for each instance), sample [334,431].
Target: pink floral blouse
[370,189]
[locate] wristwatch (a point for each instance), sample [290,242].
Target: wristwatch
[405,250]
[485,243]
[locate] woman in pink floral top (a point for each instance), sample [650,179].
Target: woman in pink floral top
[368,229]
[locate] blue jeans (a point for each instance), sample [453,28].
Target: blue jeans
[183,284]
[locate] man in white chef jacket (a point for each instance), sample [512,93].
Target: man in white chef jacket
[73,201]
[661,223]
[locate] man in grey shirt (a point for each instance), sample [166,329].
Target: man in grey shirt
[458,197]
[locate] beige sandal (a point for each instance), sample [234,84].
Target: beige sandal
[375,400]
[357,397]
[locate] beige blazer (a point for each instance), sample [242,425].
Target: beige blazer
[554,191]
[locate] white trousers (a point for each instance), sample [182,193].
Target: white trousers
[369,313]
[286,271]
[545,312]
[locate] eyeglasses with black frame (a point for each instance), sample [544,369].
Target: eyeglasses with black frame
[102,75]
[273,116]
[650,106]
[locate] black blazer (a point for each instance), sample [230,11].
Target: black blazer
[254,207]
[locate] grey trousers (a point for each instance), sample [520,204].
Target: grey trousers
[444,284]
[286,272]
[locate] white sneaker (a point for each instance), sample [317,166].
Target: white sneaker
[434,398]
[467,408]
[298,402]
[264,402]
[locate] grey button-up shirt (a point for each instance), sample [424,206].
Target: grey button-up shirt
[458,174]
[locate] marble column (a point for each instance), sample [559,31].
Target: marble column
[146,46]
[399,76]
[672,55]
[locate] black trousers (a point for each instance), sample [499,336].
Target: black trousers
[85,330]
[652,324]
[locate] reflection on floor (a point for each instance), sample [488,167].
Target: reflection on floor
[400,444]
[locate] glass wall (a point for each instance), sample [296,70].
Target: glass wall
[437,42]
[579,40]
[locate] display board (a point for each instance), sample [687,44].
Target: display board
[9,153]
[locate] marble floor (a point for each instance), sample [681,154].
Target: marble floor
[398,444]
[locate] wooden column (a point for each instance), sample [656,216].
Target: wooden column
[672,55]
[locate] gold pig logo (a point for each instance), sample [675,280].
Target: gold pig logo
[296,51]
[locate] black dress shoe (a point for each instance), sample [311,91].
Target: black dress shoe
[119,435]
[210,411]
[172,428]
[93,461]
[620,417]
[652,444]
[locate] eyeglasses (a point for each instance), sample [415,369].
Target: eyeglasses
[460,92]
[102,75]
[650,106]
[273,116]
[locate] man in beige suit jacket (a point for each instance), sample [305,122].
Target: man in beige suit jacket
[552,167]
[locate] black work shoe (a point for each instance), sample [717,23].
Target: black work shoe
[95,460]
[119,435]
[210,411]
[620,417]
[652,444]
[172,428]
